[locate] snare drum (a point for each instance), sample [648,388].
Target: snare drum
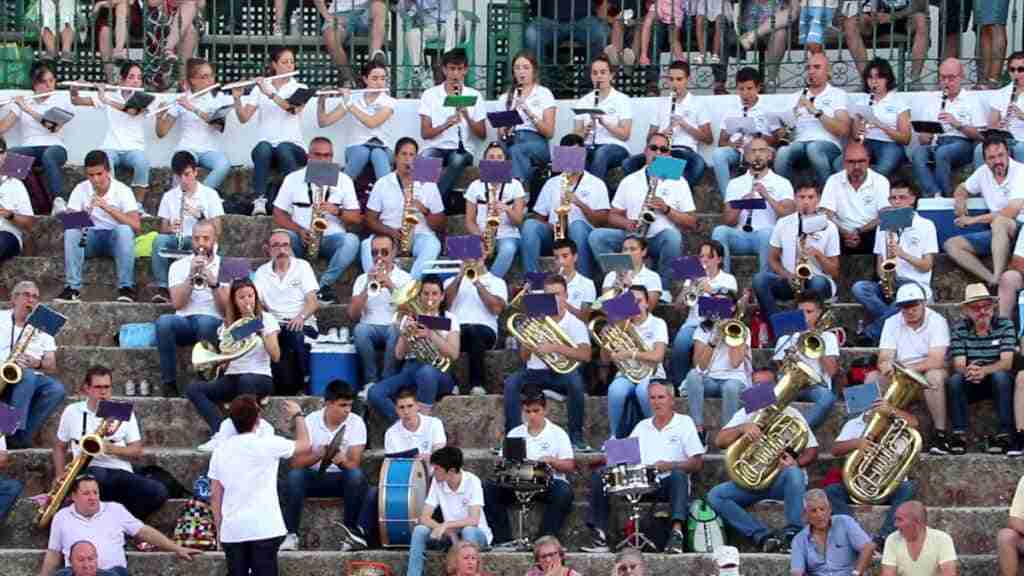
[626,479]
[521,476]
[401,493]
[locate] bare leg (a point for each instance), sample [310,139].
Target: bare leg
[702,46]
[935,397]
[952,46]
[854,42]
[645,39]
[1009,555]
[67,38]
[120,26]
[677,47]
[189,34]
[106,50]
[1004,231]
[998,50]
[920,48]
[334,37]
[173,33]
[1018,401]
[1009,284]
[49,42]
[776,48]
[716,42]
[378,18]
[279,8]
[985,53]
[961,252]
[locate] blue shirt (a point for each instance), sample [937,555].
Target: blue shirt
[842,547]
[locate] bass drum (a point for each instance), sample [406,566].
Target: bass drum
[401,492]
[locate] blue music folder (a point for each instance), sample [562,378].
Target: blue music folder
[46,319]
[495,171]
[788,322]
[248,329]
[667,168]
[72,220]
[622,451]
[505,118]
[860,398]
[894,219]
[536,280]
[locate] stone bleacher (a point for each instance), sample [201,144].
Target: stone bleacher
[968,495]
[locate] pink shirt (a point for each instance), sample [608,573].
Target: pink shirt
[105,529]
[671,10]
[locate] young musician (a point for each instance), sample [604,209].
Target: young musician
[640,274]
[653,332]
[16,214]
[581,293]
[731,145]
[507,200]
[385,211]
[606,134]
[527,143]
[887,137]
[181,209]
[824,367]
[372,125]
[852,199]
[296,205]
[477,303]
[115,216]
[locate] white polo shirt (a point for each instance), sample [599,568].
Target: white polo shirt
[432,106]
[552,441]
[574,328]
[202,300]
[887,112]
[275,124]
[652,331]
[997,195]
[77,421]
[910,344]
[430,433]
[320,435]
[722,283]
[296,198]
[855,207]
[285,296]
[119,197]
[41,343]
[360,133]
[203,203]
[250,508]
[720,367]
[34,133]
[740,187]
[379,311]
[257,360]
[1000,102]
[14,197]
[966,108]
[507,194]
[691,108]
[589,189]
[124,131]
[538,101]
[470,308]
[786,236]
[632,191]
[443,333]
[196,135]
[617,108]
[645,277]
[387,199]
[455,504]
[677,441]
[785,343]
[918,240]
[741,417]
[765,121]
[808,128]
[853,428]
[105,529]
[580,290]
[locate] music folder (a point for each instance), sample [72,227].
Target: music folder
[299,98]
[860,398]
[464,247]
[505,118]
[72,220]
[514,449]
[536,280]
[10,419]
[590,111]
[926,126]
[439,323]
[459,101]
[748,204]
[688,267]
[621,307]
[232,269]
[16,165]
[568,159]
[789,322]
[757,397]
[894,219]
[248,329]
[426,169]
[540,304]
[120,411]
[715,308]
[219,117]
[138,102]
[46,319]
[667,168]
[622,451]
[322,173]
[495,171]
[617,262]
[56,117]
[740,125]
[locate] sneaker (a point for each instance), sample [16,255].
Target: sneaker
[675,543]
[290,542]
[613,54]
[940,443]
[579,446]
[714,59]
[697,59]
[326,295]
[771,544]
[379,56]
[259,206]
[1017,446]
[787,542]
[507,546]
[598,542]
[999,443]
[366,390]
[126,295]
[628,57]
[161,296]
[59,206]
[957,442]
[68,295]
[477,391]
[354,538]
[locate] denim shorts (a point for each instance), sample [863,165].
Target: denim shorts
[981,242]
[814,20]
[356,21]
[991,12]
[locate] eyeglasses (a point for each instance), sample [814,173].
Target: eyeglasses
[1016,69]
[548,555]
[632,567]
[382,252]
[280,245]
[662,149]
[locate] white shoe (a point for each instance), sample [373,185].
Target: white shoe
[259,206]
[366,390]
[210,445]
[628,57]
[478,391]
[291,542]
[748,40]
[714,59]
[613,54]
[697,59]
[59,206]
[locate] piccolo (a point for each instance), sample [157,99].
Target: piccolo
[11,100]
[93,85]
[250,82]
[351,92]
[191,96]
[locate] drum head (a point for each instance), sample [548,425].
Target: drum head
[402,489]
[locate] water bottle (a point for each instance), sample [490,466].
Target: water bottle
[129,388]
[144,387]
[762,335]
[343,334]
[511,343]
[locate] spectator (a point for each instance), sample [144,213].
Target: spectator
[84,561]
[664,17]
[1011,537]
[58,17]
[956,14]
[829,545]
[556,21]
[936,553]
[348,18]
[990,18]
[887,18]
[182,34]
[127,18]
[429,20]
[886,137]
[709,10]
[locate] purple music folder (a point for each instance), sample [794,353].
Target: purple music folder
[749,204]
[232,269]
[505,118]
[73,220]
[536,280]
[757,397]
[440,323]
[622,451]
[621,307]
[543,304]
[426,169]
[120,411]
[16,165]
[712,308]
[10,419]
[788,322]
[464,247]
[568,159]
[688,267]
[495,171]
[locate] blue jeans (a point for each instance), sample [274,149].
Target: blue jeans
[528,150]
[603,157]
[675,488]
[682,353]
[35,398]
[1016,152]
[731,501]
[949,154]
[158,264]
[663,248]
[619,393]
[723,160]
[693,170]
[288,157]
[421,540]
[886,157]
[455,163]
[9,246]
[428,381]
[558,498]
[538,238]
[839,497]
[350,484]
[10,489]
[998,386]
[217,163]
[823,399]
[358,156]
[173,330]
[740,242]
[869,294]
[571,385]
[367,338]
[339,249]
[140,495]
[208,397]
[823,156]
[119,243]
[52,159]
[543,33]
[425,247]
[769,286]
[134,159]
[504,256]
[699,386]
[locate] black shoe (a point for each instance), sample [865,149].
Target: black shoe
[940,443]
[161,296]
[326,295]
[957,442]
[598,542]
[999,443]
[1017,447]
[353,537]
[676,543]
[68,295]
[126,295]
[771,544]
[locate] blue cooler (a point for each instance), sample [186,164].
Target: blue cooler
[940,211]
[329,362]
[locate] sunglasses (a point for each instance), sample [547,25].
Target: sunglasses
[1016,68]
[662,149]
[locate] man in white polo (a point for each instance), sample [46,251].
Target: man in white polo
[852,199]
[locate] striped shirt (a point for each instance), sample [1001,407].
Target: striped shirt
[983,349]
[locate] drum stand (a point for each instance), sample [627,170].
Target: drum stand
[637,539]
[524,499]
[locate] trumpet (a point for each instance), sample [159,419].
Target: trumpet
[732,331]
[374,286]
[198,279]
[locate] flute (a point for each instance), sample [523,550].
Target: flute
[336,92]
[12,99]
[191,96]
[251,81]
[94,85]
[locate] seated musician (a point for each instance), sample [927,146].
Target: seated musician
[344,477]
[385,212]
[830,543]
[539,373]
[730,499]
[641,275]
[287,289]
[115,216]
[581,292]
[669,443]
[38,394]
[16,214]
[460,496]
[852,198]
[181,208]
[509,206]
[606,134]
[477,303]
[546,443]
[731,145]
[250,373]
[112,470]
[421,347]
[10,488]
[373,120]
[104,523]
[1009,539]
[825,366]
[653,333]
[296,205]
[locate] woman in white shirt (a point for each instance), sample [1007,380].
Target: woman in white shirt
[370,128]
[606,134]
[887,138]
[510,205]
[528,143]
[247,374]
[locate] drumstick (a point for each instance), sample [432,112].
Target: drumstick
[250,82]
[192,96]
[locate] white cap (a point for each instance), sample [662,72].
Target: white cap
[910,292]
[727,556]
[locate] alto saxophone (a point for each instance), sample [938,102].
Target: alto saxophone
[802,272]
[409,222]
[492,222]
[647,215]
[318,223]
[424,350]
[562,211]
[92,446]
[888,271]
[10,371]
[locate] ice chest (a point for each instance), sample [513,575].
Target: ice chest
[940,212]
[329,362]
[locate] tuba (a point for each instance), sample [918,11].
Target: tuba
[206,359]
[622,337]
[492,222]
[873,472]
[92,446]
[531,331]
[562,211]
[10,371]
[888,272]
[409,222]
[423,350]
[318,223]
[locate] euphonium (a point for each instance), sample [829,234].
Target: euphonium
[811,343]
[318,223]
[206,358]
[622,337]
[409,222]
[888,273]
[493,221]
[531,331]
[92,446]
[562,211]
[873,472]
[10,371]
[647,215]
[425,351]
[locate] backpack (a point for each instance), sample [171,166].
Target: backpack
[704,530]
[195,527]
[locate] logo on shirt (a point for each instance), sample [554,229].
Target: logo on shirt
[296,283]
[675,439]
[913,240]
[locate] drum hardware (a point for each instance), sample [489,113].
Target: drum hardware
[632,482]
[526,479]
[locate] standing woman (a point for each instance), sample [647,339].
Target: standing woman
[527,143]
[280,125]
[510,205]
[887,138]
[39,141]
[605,135]
[243,469]
[371,124]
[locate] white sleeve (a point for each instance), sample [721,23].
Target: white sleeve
[76,201]
[216,205]
[776,238]
[599,201]
[930,239]
[939,335]
[22,203]
[309,283]
[476,493]
[360,284]
[888,339]
[626,113]
[358,433]
[374,202]
[433,203]
[433,498]
[848,432]
[543,204]
[973,182]
[437,434]
[284,199]
[740,417]
[270,324]
[692,445]
[131,431]
[390,442]
[684,200]
[178,273]
[66,429]
[279,447]
[660,331]
[426,105]
[832,246]
[828,195]
[345,194]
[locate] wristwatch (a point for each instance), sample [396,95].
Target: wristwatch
[818,114]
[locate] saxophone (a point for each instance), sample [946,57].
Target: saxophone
[802,273]
[647,215]
[622,337]
[562,211]
[92,446]
[873,472]
[531,331]
[423,350]
[493,221]
[318,223]
[888,272]
[10,371]
[409,222]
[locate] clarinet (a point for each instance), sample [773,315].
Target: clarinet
[597,98]
[671,128]
[515,93]
[458,127]
[871,106]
